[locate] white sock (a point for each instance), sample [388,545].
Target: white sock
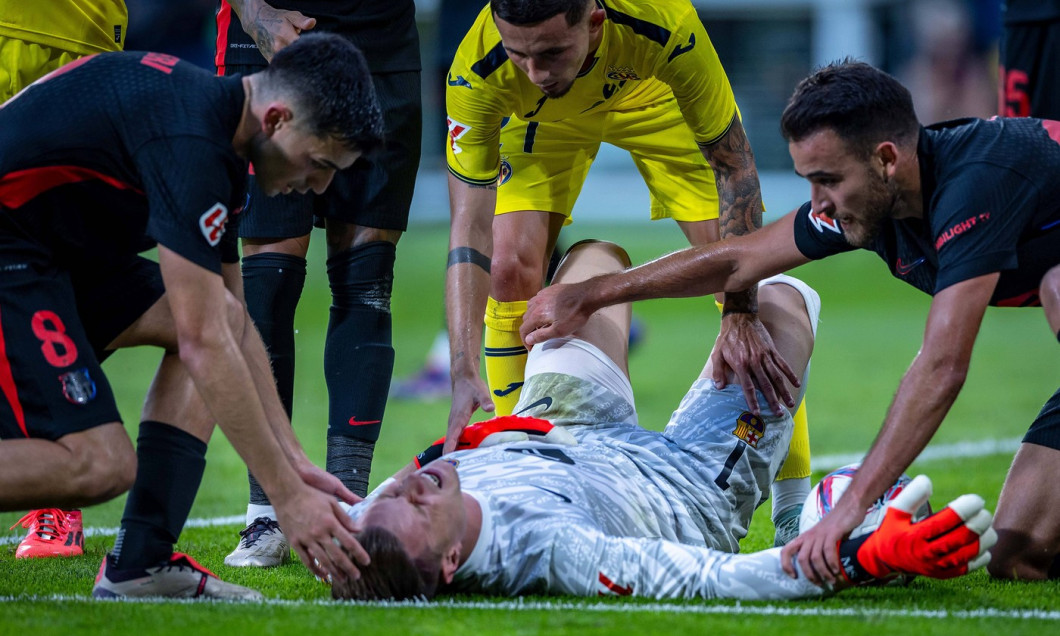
[788,493]
[257,510]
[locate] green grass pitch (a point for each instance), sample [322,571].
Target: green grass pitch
[871,326]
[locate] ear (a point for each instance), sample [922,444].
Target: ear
[887,156]
[450,563]
[596,19]
[277,114]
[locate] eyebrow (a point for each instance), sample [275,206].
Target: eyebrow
[816,174]
[549,51]
[328,164]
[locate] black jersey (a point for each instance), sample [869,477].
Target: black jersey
[384,30]
[1018,11]
[118,151]
[992,204]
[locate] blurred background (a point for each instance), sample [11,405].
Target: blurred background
[945,51]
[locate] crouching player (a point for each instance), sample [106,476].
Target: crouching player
[625,510]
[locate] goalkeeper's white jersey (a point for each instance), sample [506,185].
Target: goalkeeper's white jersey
[627,511]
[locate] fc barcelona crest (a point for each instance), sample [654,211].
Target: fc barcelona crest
[749,428]
[78,387]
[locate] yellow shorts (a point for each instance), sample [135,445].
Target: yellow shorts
[544,164]
[22,63]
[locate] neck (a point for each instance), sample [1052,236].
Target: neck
[472,528]
[910,202]
[249,125]
[594,46]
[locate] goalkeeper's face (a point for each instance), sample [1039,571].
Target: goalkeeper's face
[425,511]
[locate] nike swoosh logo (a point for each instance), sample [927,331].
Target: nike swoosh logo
[459,81]
[514,386]
[563,498]
[545,402]
[902,269]
[355,422]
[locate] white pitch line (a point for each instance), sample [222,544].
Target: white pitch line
[613,608]
[820,463]
[958,450]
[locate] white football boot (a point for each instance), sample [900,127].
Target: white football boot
[179,577]
[261,545]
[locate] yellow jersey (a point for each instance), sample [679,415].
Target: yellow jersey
[83,27]
[649,51]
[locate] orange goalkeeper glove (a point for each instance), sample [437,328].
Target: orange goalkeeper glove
[953,541]
[501,430]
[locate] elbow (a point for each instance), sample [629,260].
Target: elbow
[948,375]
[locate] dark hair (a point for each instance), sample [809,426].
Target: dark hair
[525,12]
[862,104]
[392,575]
[329,77]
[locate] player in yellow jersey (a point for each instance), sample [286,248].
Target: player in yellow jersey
[535,87]
[34,41]
[37,38]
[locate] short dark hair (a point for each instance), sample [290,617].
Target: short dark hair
[862,104]
[525,12]
[392,575]
[329,77]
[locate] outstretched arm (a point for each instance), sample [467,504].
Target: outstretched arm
[224,356]
[467,280]
[924,397]
[743,346]
[729,265]
[952,542]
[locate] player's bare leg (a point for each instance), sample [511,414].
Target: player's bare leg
[96,465]
[1028,514]
[522,242]
[1028,517]
[608,328]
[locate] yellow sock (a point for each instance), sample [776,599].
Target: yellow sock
[504,352]
[797,465]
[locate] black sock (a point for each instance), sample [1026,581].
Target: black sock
[170,463]
[358,356]
[272,284]
[350,459]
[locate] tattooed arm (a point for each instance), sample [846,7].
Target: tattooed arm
[467,280]
[745,352]
[270,28]
[739,198]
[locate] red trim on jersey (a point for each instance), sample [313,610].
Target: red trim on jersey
[224,20]
[614,587]
[7,385]
[1026,299]
[19,187]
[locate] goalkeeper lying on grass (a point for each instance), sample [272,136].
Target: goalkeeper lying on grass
[603,506]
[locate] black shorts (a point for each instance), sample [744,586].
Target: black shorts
[1030,66]
[376,191]
[1045,430]
[55,326]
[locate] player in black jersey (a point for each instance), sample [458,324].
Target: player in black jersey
[967,211]
[106,158]
[1030,59]
[364,214]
